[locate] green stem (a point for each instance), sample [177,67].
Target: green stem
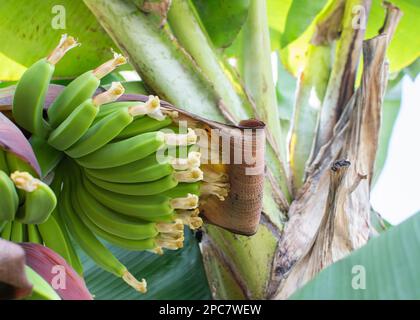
[188,29]
[160,61]
[258,72]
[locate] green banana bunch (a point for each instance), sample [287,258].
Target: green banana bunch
[17,232]
[39,201]
[55,234]
[7,231]
[87,240]
[3,161]
[33,234]
[79,90]
[79,121]
[9,200]
[31,90]
[151,108]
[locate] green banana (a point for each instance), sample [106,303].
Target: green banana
[113,222]
[15,163]
[3,161]
[31,90]
[7,231]
[58,238]
[183,189]
[79,121]
[47,156]
[137,189]
[124,151]
[110,108]
[9,199]
[52,234]
[100,133]
[16,232]
[143,125]
[2,226]
[79,90]
[33,234]
[40,200]
[41,289]
[129,244]
[91,245]
[143,170]
[151,169]
[171,235]
[149,208]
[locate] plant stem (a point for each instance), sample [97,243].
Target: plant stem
[187,27]
[157,57]
[258,76]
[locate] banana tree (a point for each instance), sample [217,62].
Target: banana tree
[325,143]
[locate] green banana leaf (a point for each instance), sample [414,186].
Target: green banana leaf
[177,275]
[386,268]
[400,54]
[222,19]
[28,32]
[299,17]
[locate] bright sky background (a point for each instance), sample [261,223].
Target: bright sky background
[396,195]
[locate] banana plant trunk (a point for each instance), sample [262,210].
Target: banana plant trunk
[316,209]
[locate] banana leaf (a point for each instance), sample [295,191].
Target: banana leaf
[386,268]
[177,275]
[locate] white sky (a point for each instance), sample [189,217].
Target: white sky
[396,195]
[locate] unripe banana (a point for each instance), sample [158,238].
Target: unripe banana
[113,222]
[151,107]
[100,133]
[129,244]
[149,208]
[143,170]
[92,246]
[31,90]
[79,121]
[104,131]
[143,125]
[3,161]
[56,234]
[79,90]
[137,189]
[40,200]
[17,232]
[9,200]
[124,151]
[33,234]
[133,149]
[7,231]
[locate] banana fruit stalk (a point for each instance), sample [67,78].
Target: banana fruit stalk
[114,175]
